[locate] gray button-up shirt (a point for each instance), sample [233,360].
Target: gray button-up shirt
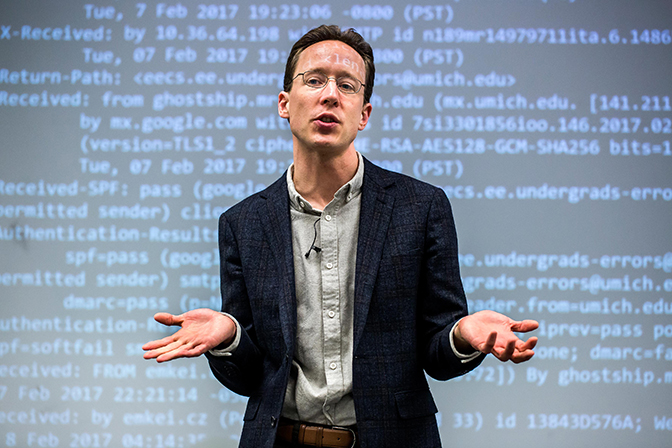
[320,384]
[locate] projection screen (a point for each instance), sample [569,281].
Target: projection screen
[128,128]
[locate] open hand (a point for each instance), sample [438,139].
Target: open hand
[492,332]
[202,329]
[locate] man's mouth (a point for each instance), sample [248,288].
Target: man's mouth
[327,119]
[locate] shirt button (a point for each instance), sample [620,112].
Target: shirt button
[332,366]
[328,217]
[331,314]
[327,407]
[330,265]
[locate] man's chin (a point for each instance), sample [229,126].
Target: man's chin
[328,147]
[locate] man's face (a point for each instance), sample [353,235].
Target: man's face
[325,119]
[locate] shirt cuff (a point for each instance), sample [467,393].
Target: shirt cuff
[228,351]
[463,358]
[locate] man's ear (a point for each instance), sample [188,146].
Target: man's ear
[283,104]
[366,113]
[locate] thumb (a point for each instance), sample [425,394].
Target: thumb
[168,319]
[525,325]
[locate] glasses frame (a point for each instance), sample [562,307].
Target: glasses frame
[302,75]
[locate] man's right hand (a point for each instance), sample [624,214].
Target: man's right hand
[202,329]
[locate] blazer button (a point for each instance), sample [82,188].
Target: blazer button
[273,421]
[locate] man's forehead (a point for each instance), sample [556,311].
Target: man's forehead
[332,54]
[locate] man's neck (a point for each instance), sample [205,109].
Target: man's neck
[318,177]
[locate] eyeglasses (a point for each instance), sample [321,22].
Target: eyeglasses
[318,80]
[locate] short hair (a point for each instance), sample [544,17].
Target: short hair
[332,32]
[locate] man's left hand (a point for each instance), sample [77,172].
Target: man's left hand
[492,332]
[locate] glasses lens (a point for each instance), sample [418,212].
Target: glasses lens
[315,80]
[348,85]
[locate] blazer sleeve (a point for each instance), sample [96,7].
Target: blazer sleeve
[240,370]
[441,296]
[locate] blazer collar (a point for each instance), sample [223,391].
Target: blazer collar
[276,222]
[374,221]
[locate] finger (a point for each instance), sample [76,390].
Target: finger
[508,351]
[489,343]
[517,358]
[525,326]
[181,352]
[165,345]
[529,344]
[521,345]
[151,354]
[169,356]
[152,345]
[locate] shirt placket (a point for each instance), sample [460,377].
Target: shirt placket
[331,316]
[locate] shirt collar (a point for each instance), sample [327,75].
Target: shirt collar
[345,194]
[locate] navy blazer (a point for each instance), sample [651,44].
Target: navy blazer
[408,295]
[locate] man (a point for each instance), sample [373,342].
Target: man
[340,281]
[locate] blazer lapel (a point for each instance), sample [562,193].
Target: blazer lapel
[276,222]
[374,220]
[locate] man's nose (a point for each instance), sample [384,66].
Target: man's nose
[330,91]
